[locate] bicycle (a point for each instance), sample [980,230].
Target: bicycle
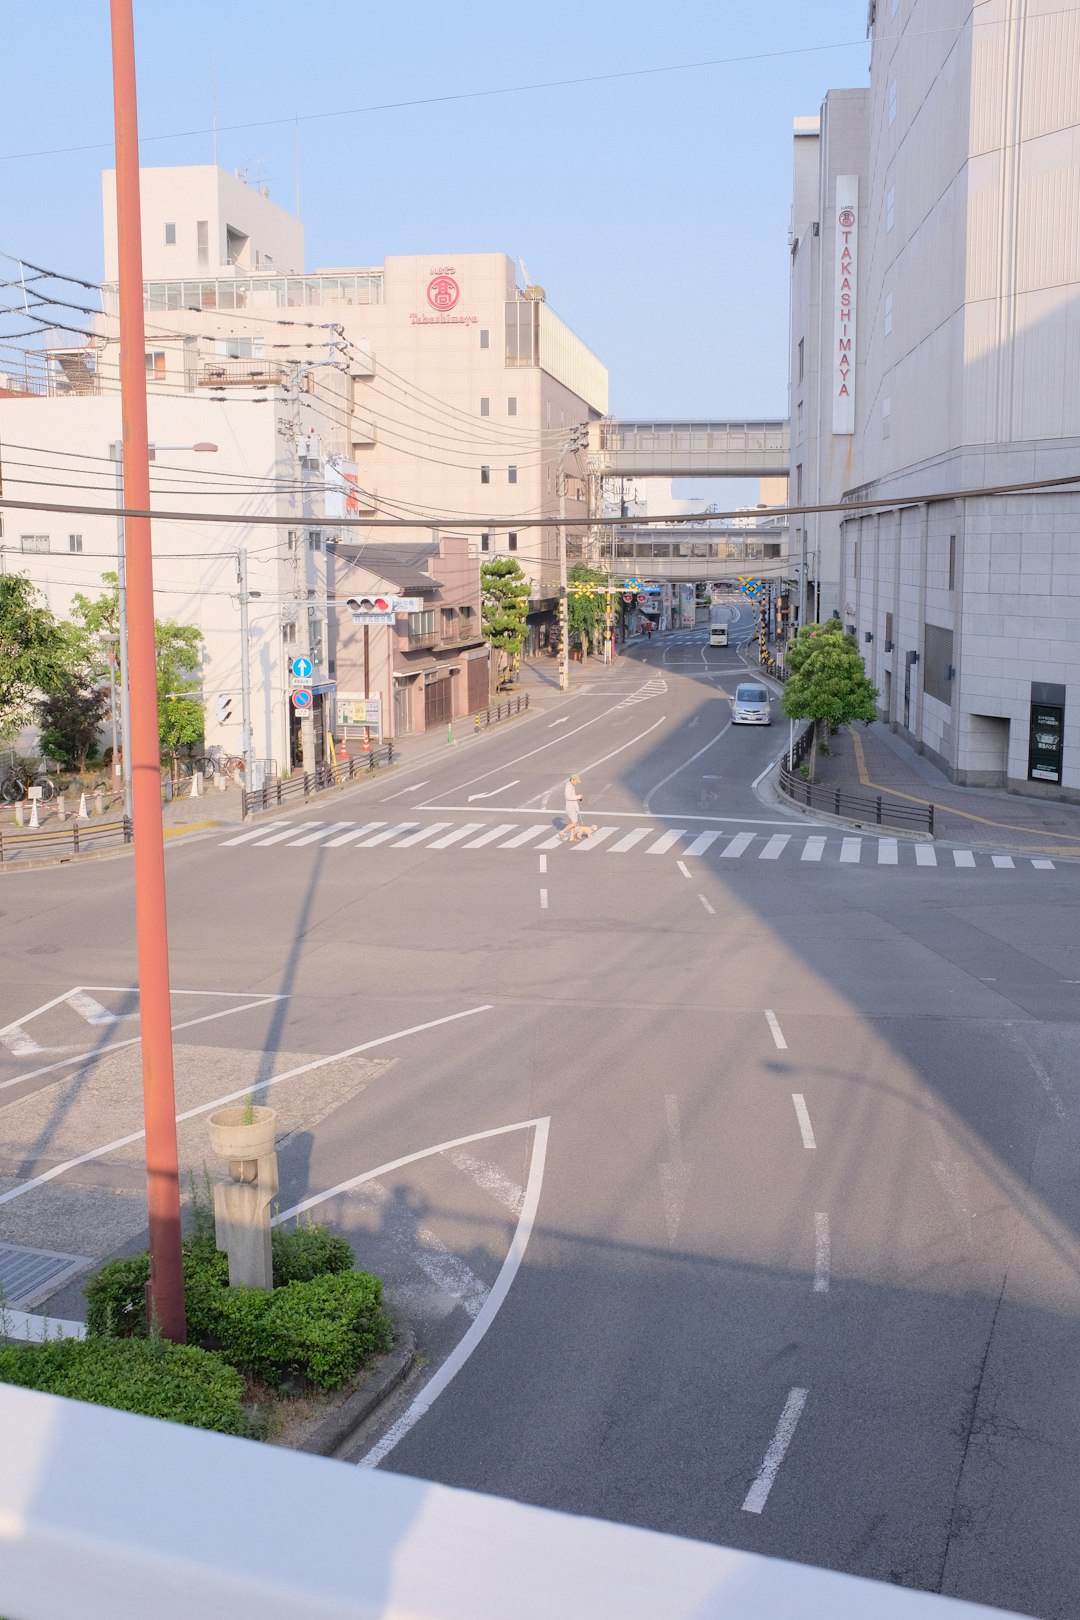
[16,784]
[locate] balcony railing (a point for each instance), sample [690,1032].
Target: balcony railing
[241,374]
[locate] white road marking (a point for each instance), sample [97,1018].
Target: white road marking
[1041,1073]
[803,1117]
[524,837]
[777,1033]
[489,1177]
[675,1173]
[458,1357]
[822,1254]
[683,868]
[813,849]
[19,1043]
[593,763]
[851,849]
[561,722]
[667,842]
[888,852]
[552,843]
[595,838]
[236,1096]
[91,1009]
[740,842]
[771,766]
[543,900]
[418,837]
[491,792]
[925,855]
[701,843]
[280,837]
[758,1494]
[543,863]
[313,838]
[415,788]
[1043,866]
[402,827]
[630,839]
[245,838]
[1003,861]
[963,857]
[509,764]
[710,909]
[459,832]
[350,837]
[679,768]
[534,809]
[775,847]
[490,836]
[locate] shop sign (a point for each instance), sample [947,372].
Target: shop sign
[845,282]
[442,294]
[1046,742]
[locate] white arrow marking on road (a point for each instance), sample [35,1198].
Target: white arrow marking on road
[675,1173]
[561,722]
[491,794]
[758,1494]
[414,789]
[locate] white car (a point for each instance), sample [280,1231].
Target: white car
[751,705]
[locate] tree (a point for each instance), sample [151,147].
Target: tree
[33,651]
[70,717]
[826,680]
[504,599]
[585,605]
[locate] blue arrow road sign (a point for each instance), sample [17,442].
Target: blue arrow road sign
[301,667]
[302,698]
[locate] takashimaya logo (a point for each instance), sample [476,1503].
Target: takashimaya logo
[443,292]
[847,220]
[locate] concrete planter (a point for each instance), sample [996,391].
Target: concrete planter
[242,1131]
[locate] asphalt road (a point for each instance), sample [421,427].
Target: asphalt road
[776,1243]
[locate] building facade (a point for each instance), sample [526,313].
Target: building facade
[966,363]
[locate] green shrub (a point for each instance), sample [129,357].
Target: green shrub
[322,1330]
[116,1299]
[308,1252]
[154,1377]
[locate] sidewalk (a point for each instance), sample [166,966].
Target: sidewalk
[871,759]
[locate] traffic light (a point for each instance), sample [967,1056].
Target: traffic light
[368,604]
[223,709]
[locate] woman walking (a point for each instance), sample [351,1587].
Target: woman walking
[573,800]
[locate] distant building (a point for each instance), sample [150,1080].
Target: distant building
[936,348]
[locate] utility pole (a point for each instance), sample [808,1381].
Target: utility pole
[564,613]
[165,1290]
[117,452]
[245,670]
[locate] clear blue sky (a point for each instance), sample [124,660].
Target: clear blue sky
[653,209]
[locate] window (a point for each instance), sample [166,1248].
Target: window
[202,243]
[74,542]
[511,475]
[485,542]
[155,363]
[798,482]
[421,625]
[314,540]
[890,208]
[511,541]
[798,420]
[465,621]
[511,406]
[802,358]
[170,234]
[288,633]
[892,101]
[485,475]
[291,541]
[485,406]
[33,542]
[952,562]
[449,623]
[888,313]
[485,338]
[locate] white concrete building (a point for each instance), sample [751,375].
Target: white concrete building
[966,366]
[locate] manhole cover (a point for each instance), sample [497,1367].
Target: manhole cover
[28,1275]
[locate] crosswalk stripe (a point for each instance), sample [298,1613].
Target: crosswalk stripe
[551,843]
[596,838]
[350,837]
[775,847]
[887,852]
[524,837]
[418,837]
[851,849]
[963,857]
[630,840]
[391,832]
[258,832]
[925,855]
[813,849]
[19,1043]
[1044,866]
[87,1007]
[701,843]
[740,842]
[291,830]
[1003,860]
[459,832]
[490,837]
[667,842]
[313,838]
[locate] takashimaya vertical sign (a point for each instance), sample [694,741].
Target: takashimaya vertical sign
[846,311]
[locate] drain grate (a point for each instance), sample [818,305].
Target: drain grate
[29,1275]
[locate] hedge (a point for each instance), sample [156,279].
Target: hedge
[150,1376]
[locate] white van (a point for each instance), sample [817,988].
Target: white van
[718,635]
[751,705]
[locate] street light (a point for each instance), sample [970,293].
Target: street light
[116,452]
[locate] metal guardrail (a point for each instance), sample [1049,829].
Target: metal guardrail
[501,711]
[879,808]
[276,791]
[75,839]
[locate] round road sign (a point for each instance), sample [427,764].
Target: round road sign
[301,667]
[302,698]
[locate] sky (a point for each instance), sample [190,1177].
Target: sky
[653,207]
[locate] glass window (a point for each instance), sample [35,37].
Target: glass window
[449,625]
[802,357]
[485,542]
[155,363]
[33,542]
[511,475]
[511,541]
[202,243]
[485,338]
[511,406]
[485,406]
[75,542]
[170,234]
[485,475]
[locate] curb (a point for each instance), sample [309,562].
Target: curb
[338,1429]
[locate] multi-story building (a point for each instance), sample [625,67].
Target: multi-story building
[958,222]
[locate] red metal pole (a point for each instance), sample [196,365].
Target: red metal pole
[165,1295]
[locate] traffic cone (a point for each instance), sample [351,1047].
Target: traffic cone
[33,822]
[196,788]
[366,744]
[84,813]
